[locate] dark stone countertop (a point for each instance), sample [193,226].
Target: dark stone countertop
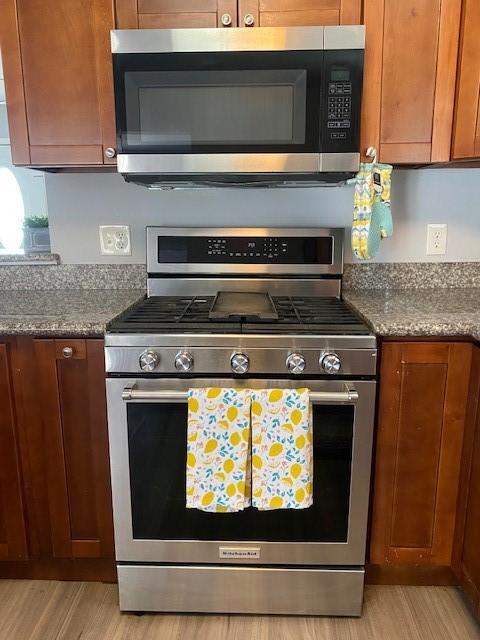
[63,312]
[392,312]
[418,312]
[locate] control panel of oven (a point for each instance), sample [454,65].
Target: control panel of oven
[245,249]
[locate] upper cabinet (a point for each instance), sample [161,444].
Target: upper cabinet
[58,80]
[409,82]
[171,14]
[417,109]
[296,13]
[175,14]
[466,136]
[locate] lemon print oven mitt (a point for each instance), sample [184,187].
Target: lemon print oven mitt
[372,218]
[282,451]
[218,436]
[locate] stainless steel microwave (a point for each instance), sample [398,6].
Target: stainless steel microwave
[249,107]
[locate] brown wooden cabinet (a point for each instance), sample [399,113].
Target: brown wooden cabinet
[73,409]
[175,14]
[13,543]
[171,14]
[409,82]
[466,138]
[58,79]
[55,497]
[466,560]
[421,415]
[292,13]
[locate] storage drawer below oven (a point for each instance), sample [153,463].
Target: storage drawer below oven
[233,589]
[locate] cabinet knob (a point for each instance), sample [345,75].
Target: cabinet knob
[226,19]
[110,152]
[249,20]
[67,352]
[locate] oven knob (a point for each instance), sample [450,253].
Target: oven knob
[149,360]
[183,361]
[296,363]
[240,363]
[330,363]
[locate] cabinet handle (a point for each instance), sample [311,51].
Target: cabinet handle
[110,152]
[226,19]
[67,352]
[249,20]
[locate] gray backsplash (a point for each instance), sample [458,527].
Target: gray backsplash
[407,275]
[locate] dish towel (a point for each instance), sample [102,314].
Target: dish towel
[282,451]
[218,439]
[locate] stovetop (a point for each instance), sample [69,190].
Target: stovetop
[184,314]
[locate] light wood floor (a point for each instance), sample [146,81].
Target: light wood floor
[34,610]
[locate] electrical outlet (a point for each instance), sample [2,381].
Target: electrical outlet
[436,239]
[115,240]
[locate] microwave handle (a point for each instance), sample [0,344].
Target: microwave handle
[131,392]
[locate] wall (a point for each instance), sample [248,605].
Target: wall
[78,203]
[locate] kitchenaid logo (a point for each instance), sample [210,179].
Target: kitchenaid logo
[239,553]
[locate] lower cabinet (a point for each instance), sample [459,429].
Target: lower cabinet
[54,472]
[423,393]
[13,542]
[73,408]
[467,546]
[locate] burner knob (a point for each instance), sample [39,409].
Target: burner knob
[240,363]
[183,361]
[149,361]
[330,363]
[296,363]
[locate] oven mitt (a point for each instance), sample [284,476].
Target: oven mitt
[218,437]
[381,204]
[282,449]
[365,230]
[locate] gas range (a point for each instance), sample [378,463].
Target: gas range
[254,322]
[244,309]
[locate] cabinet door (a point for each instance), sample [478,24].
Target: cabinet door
[467,546]
[292,13]
[409,79]
[13,545]
[175,14]
[466,141]
[421,413]
[73,410]
[58,81]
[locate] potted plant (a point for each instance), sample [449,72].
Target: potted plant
[36,238]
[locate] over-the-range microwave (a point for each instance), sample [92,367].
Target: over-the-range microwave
[249,107]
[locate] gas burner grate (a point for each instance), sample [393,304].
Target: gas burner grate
[180,314]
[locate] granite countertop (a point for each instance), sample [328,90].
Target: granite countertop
[418,312]
[63,312]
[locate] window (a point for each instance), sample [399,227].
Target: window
[12,212]
[22,191]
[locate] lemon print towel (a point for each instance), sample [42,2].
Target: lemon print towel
[282,456]
[217,449]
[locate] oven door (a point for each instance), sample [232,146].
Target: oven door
[223,106]
[147,431]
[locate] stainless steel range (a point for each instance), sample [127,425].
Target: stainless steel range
[243,308]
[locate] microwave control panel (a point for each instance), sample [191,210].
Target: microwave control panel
[341,104]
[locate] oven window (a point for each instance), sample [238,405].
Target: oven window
[157,446]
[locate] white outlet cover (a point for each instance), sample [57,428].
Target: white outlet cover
[436,239]
[115,240]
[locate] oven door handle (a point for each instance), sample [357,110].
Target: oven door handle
[131,392]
